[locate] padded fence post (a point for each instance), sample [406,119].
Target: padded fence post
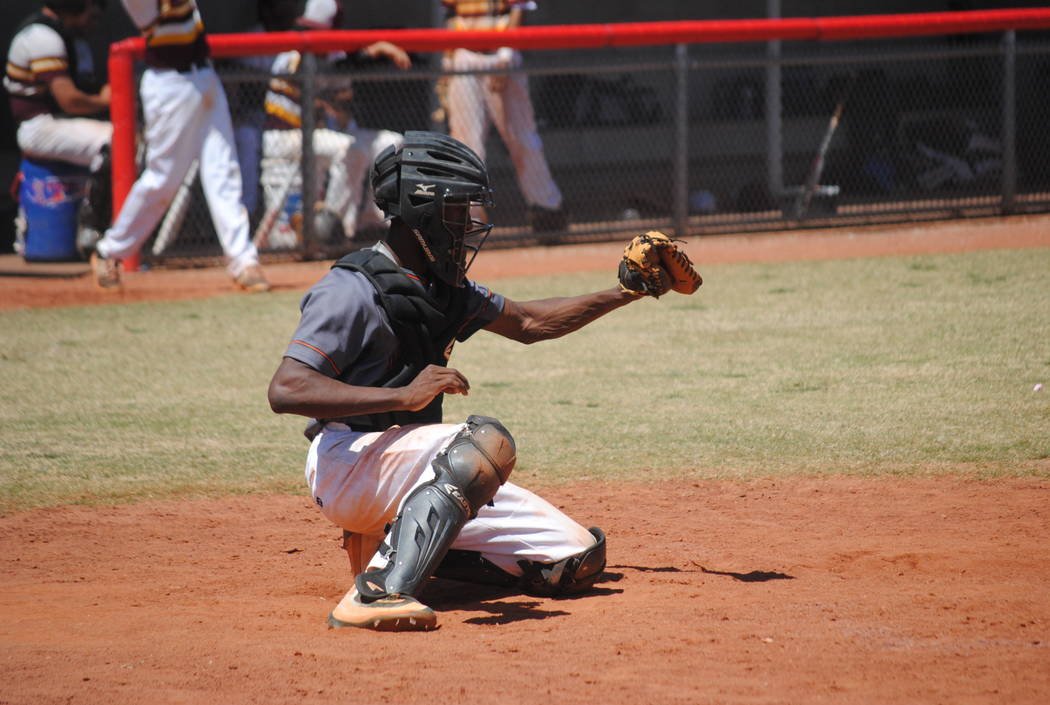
[122,114]
[1009,137]
[774,117]
[681,158]
[309,112]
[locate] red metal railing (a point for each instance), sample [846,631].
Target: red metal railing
[123,54]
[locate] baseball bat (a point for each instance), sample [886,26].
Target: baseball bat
[269,219]
[176,215]
[816,169]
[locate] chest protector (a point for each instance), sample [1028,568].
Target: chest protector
[425,322]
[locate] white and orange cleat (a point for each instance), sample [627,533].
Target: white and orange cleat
[389,614]
[252,279]
[106,273]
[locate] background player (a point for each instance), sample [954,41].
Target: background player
[50,79]
[368,364]
[49,69]
[340,114]
[475,102]
[186,118]
[345,155]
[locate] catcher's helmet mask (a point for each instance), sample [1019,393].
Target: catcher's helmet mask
[431,183]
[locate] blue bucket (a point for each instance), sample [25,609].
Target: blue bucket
[50,195]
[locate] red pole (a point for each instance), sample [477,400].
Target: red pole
[122,114]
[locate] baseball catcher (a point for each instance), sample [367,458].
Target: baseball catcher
[368,364]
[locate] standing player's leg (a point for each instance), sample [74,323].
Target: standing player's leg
[173,112]
[221,180]
[512,114]
[468,119]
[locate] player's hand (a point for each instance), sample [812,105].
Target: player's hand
[433,380]
[391,52]
[104,94]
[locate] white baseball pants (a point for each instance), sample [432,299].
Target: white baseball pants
[333,152]
[359,481]
[186,117]
[73,140]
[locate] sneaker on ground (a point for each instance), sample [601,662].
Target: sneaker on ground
[252,279]
[107,272]
[389,614]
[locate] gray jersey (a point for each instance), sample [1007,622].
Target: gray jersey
[344,332]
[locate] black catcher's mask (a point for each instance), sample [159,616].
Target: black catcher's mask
[431,183]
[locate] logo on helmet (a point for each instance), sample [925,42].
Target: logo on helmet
[424,190]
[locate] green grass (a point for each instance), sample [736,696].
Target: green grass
[889,365]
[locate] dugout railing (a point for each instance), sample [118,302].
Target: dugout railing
[693,127]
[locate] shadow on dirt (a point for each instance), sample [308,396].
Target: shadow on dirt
[755,576]
[506,605]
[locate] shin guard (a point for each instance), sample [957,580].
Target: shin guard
[467,475]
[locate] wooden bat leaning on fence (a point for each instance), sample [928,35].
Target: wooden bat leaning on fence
[816,169]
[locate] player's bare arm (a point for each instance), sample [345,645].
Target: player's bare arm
[544,319]
[74,101]
[391,52]
[297,388]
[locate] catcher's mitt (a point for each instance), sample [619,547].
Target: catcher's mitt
[652,265]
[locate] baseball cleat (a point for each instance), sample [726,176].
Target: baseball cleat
[389,614]
[106,272]
[252,279]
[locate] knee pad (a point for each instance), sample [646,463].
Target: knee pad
[567,576]
[477,461]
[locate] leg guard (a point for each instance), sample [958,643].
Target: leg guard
[467,475]
[567,576]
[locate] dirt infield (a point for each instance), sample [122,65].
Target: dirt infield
[832,590]
[829,589]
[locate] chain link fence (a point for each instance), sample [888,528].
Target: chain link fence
[691,139]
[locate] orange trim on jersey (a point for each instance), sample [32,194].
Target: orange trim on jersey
[286,116]
[48,64]
[467,322]
[322,354]
[285,88]
[157,40]
[19,73]
[479,8]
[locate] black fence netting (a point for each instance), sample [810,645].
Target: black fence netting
[588,145]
